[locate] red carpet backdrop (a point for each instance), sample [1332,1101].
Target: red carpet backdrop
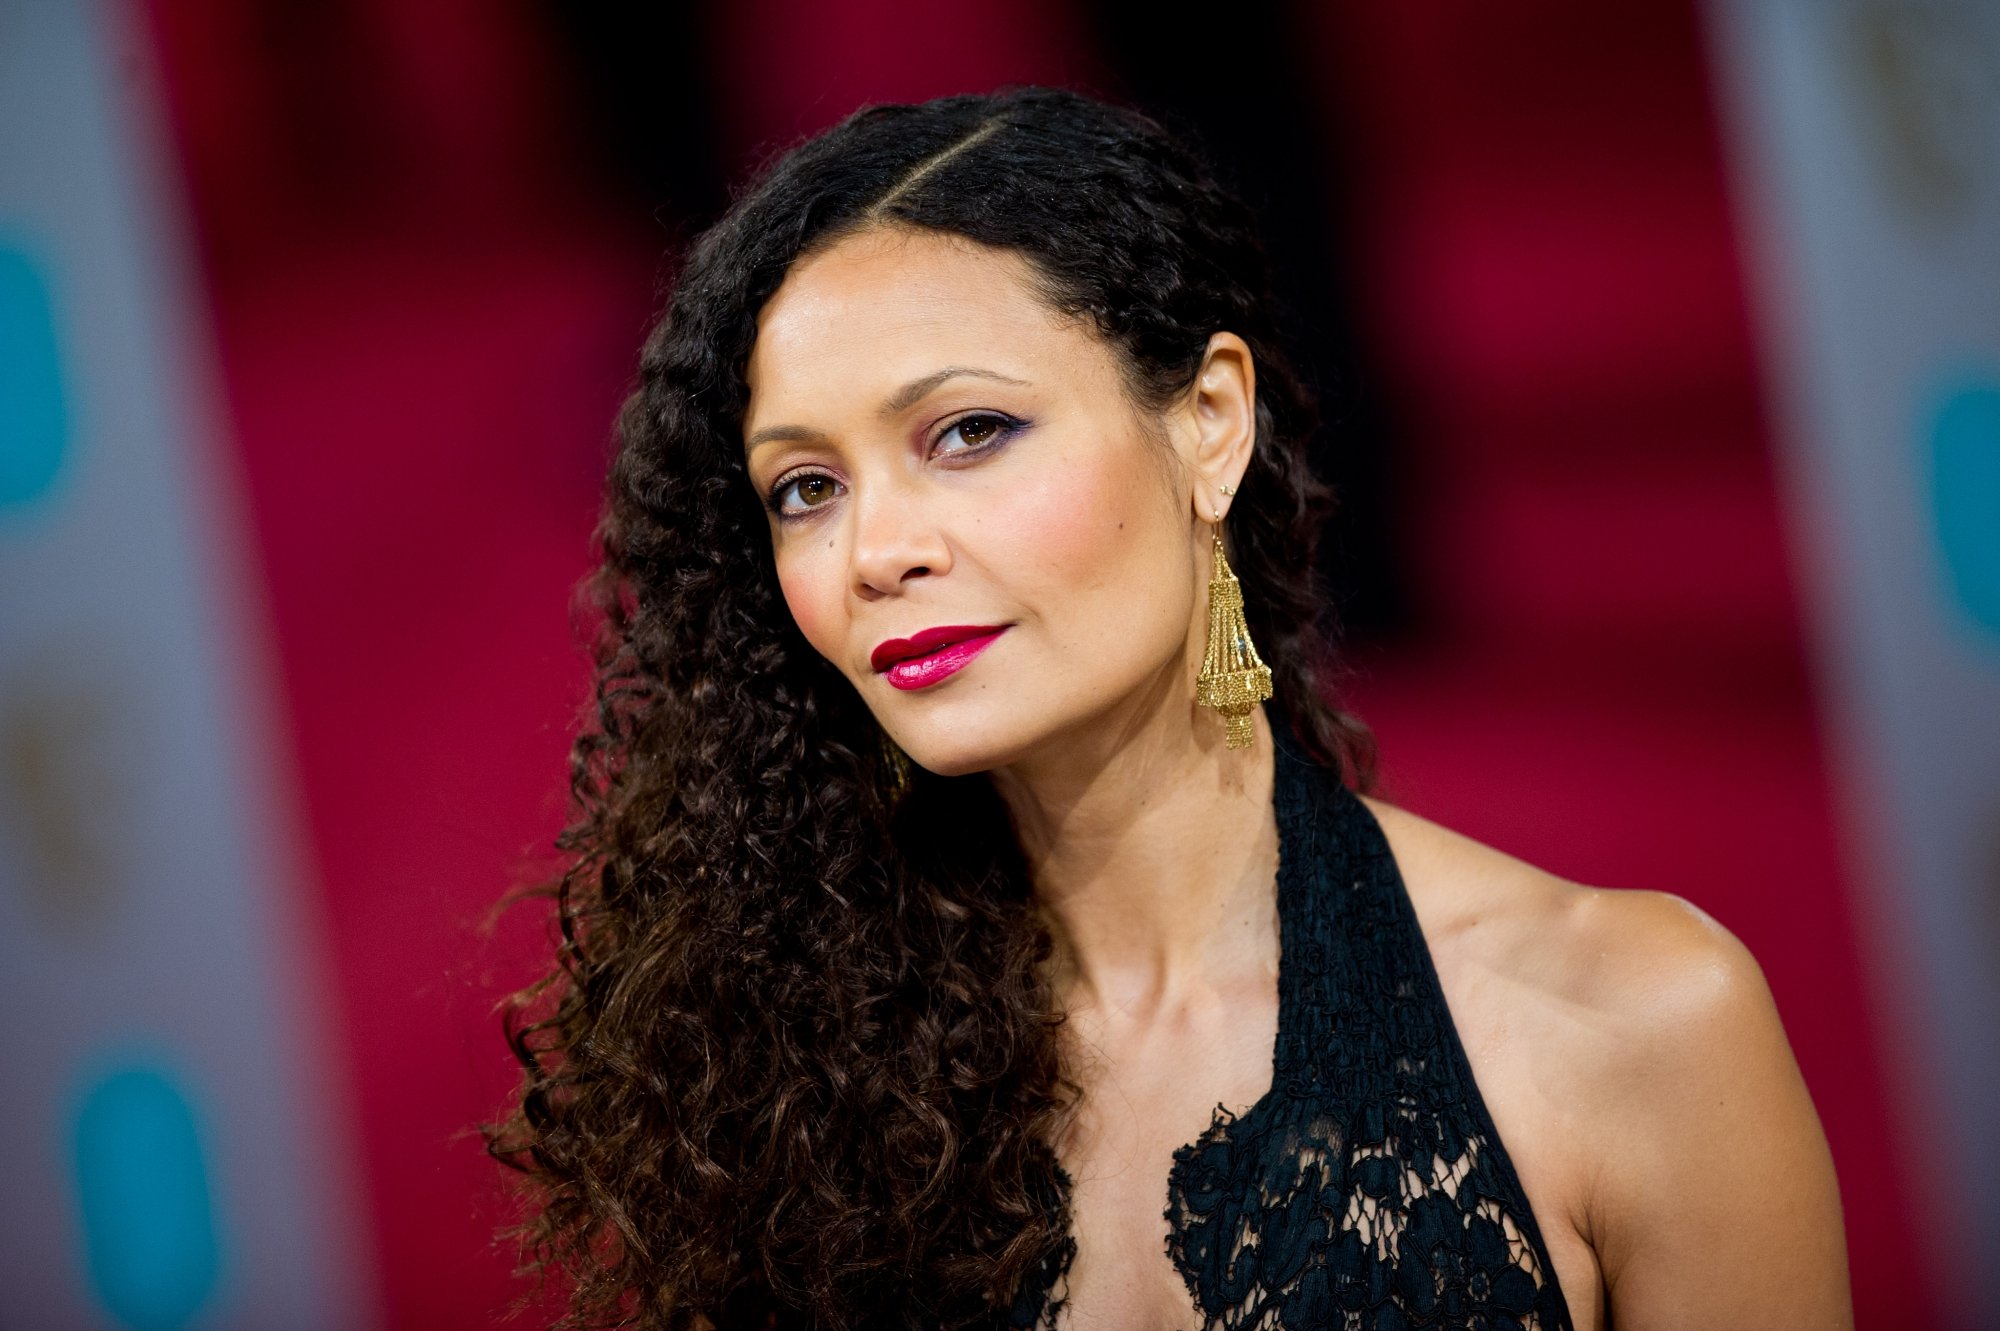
[1660,345]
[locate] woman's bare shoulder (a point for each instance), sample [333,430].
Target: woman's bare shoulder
[1618,952]
[1636,999]
[1703,1182]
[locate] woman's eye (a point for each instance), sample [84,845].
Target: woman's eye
[977,431]
[797,495]
[801,493]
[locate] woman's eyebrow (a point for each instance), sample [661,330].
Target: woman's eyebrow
[913,392]
[901,400]
[773,433]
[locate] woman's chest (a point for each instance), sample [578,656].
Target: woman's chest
[1147,1100]
[1144,1099]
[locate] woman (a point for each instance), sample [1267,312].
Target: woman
[954,936]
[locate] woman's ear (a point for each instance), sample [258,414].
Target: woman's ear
[1223,402]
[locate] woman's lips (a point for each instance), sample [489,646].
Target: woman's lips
[932,655]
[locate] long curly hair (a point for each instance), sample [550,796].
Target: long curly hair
[798,1063]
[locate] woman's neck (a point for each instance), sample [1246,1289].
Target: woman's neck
[1153,860]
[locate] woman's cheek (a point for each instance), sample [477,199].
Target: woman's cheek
[1082,519]
[813,594]
[1094,545]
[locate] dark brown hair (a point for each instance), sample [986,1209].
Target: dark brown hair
[797,1064]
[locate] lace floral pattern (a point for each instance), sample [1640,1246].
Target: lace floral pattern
[1367,1190]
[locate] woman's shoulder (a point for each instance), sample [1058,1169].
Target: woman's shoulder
[1648,962]
[1619,1027]
[1637,1010]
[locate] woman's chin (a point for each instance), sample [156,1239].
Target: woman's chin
[966,745]
[956,759]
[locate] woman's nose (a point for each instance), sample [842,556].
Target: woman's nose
[895,540]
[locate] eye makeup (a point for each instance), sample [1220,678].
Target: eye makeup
[993,430]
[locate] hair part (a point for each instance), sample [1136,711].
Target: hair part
[797,1062]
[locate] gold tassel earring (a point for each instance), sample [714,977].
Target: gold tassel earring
[1233,679]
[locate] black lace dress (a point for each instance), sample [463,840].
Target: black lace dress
[1367,1190]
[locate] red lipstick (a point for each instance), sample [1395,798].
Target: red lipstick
[924,659]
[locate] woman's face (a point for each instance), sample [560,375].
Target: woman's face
[950,463]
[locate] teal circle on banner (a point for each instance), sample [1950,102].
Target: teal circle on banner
[34,416]
[1965,494]
[142,1186]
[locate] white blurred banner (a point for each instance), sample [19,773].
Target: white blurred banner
[174,1144]
[1866,142]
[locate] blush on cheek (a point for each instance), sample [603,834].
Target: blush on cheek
[1088,523]
[1098,549]
[813,597]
